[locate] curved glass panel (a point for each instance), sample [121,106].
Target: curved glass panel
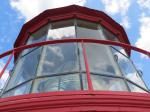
[57,83]
[127,67]
[67,32]
[100,60]
[60,58]
[20,90]
[99,56]
[109,35]
[108,83]
[88,30]
[135,88]
[25,68]
[63,29]
[38,36]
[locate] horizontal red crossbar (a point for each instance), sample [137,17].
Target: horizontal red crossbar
[69,40]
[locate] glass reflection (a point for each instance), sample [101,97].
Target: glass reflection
[46,84]
[134,88]
[25,68]
[69,82]
[23,89]
[62,29]
[99,56]
[127,67]
[89,30]
[59,59]
[57,83]
[108,83]
[109,35]
[100,60]
[38,36]
[67,32]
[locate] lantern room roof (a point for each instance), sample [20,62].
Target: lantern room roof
[70,12]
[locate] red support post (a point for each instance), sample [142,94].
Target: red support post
[6,65]
[90,86]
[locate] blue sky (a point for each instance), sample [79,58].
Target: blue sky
[134,15]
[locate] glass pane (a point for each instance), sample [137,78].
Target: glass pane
[23,89]
[124,63]
[57,83]
[88,30]
[128,68]
[25,68]
[86,24]
[46,84]
[67,32]
[59,58]
[38,36]
[109,35]
[119,49]
[61,24]
[63,29]
[134,88]
[108,83]
[101,60]
[69,82]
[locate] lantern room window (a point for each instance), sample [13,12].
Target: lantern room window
[62,66]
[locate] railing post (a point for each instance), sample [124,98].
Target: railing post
[90,87]
[6,65]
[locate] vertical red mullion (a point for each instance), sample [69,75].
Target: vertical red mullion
[90,87]
[6,65]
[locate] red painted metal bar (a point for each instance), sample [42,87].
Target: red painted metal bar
[6,65]
[131,101]
[90,86]
[85,40]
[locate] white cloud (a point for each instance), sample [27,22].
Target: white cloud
[144,3]
[144,40]
[120,7]
[5,39]
[30,8]
[116,6]
[5,75]
[125,22]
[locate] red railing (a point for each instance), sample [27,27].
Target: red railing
[78,40]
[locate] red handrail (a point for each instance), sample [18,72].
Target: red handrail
[68,40]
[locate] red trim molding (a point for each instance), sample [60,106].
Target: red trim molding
[77,101]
